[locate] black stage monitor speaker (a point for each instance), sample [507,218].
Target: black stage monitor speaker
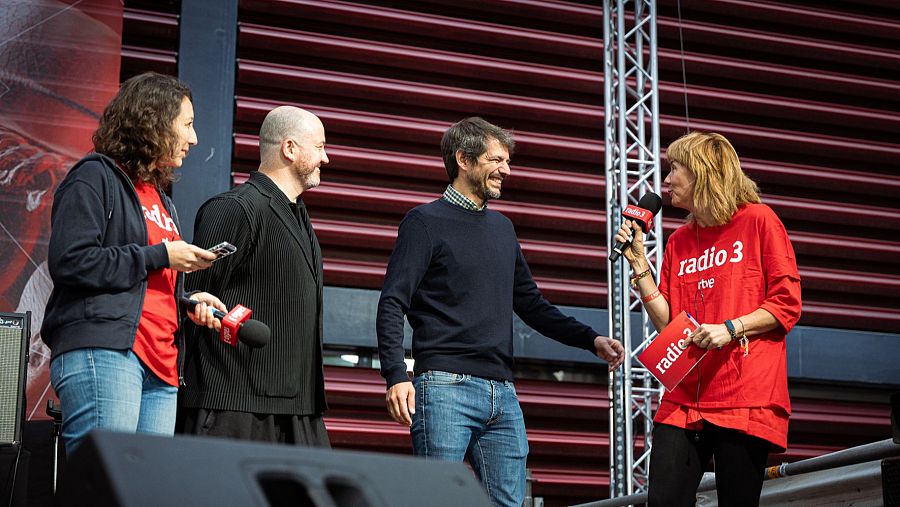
[14,333]
[126,470]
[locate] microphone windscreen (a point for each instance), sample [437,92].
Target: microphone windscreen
[254,334]
[651,202]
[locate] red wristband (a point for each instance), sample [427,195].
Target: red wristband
[650,297]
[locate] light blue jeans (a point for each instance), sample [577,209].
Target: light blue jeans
[110,390]
[461,416]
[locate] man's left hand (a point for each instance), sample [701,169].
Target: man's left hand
[610,351]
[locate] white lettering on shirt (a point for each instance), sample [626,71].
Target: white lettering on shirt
[711,258]
[163,221]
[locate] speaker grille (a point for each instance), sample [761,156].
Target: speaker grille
[13,341]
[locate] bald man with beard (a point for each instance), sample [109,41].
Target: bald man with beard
[275,393]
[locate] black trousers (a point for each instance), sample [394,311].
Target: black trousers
[679,457]
[306,430]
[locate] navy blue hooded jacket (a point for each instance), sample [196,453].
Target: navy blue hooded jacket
[99,259]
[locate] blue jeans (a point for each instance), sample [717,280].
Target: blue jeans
[461,416]
[110,390]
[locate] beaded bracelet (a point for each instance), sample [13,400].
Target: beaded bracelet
[635,278]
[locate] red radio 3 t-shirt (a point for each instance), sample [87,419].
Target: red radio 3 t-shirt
[155,340]
[724,272]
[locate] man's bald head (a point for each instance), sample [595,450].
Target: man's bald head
[282,123]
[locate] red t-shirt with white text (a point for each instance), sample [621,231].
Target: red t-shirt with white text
[724,272]
[155,340]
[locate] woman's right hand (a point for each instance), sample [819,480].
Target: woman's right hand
[635,251]
[201,315]
[186,257]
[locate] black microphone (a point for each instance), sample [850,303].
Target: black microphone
[643,213]
[250,332]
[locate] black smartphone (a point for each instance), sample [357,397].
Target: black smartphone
[223,249]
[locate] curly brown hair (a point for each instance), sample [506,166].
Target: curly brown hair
[136,127]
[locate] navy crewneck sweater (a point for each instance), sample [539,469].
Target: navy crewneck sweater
[458,275]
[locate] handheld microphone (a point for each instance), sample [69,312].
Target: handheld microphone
[237,325]
[649,205]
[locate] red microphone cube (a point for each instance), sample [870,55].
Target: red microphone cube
[232,322]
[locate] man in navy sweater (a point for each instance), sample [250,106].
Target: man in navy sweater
[458,274]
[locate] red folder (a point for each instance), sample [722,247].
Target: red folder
[671,355]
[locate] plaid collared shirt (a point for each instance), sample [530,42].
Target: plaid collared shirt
[453,196]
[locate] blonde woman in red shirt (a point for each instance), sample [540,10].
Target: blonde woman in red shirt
[732,267]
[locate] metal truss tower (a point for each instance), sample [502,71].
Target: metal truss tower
[632,169]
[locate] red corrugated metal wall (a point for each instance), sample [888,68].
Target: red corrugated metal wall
[810,97]
[387,82]
[150,37]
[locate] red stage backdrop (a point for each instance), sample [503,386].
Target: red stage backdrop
[59,65]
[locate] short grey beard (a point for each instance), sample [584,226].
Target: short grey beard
[482,191]
[489,195]
[308,181]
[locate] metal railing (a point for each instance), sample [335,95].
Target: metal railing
[844,458]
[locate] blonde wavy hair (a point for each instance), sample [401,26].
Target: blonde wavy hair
[721,185]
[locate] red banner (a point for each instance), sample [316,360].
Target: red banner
[59,66]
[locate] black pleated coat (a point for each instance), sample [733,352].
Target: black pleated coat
[277,273]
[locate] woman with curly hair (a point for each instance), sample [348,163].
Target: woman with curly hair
[733,268]
[116,260]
